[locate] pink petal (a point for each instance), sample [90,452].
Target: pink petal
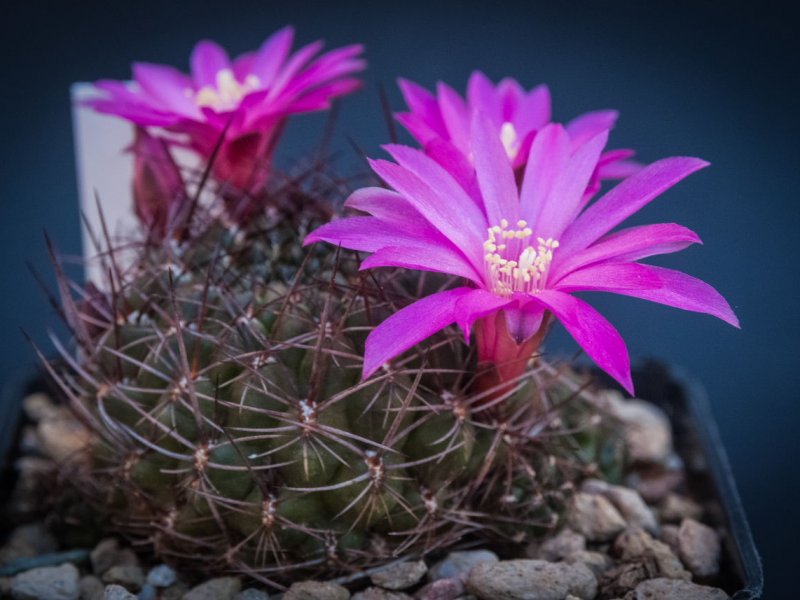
[386,205]
[366,234]
[437,258]
[664,286]
[460,168]
[548,158]
[292,67]
[586,126]
[461,223]
[593,333]
[456,116]
[419,128]
[556,198]
[167,86]
[481,98]
[524,321]
[609,277]
[208,59]
[495,175]
[271,55]
[625,199]
[476,305]
[534,111]
[424,107]
[409,326]
[628,245]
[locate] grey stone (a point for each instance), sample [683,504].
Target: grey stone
[443,589]
[251,594]
[47,583]
[559,546]
[627,501]
[91,588]
[635,544]
[174,592]
[375,593]
[221,588]
[672,589]
[117,592]
[597,562]
[675,508]
[669,535]
[400,576]
[531,580]
[619,581]
[316,590]
[647,430]
[161,576]
[459,563]
[148,592]
[594,517]
[699,548]
[27,541]
[130,577]
[109,553]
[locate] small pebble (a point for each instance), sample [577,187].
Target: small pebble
[699,548]
[375,593]
[47,583]
[675,508]
[130,577]
[597,562]
[221,588]
[104,555]
[443,589]
[117,592]
[531,580]
[594,517]
[161,576]
[627,501]
[91,588]
[647,430]
[316,590]
[251,594]
[674,589]
[635,544]
[27,541]
[459,563]
[565,543]
[400,576]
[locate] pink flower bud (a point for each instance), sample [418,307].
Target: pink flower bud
[158,189]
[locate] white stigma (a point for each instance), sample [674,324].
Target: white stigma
[510,140]
[227,93]
[512,263]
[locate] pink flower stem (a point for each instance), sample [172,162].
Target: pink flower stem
[501,359]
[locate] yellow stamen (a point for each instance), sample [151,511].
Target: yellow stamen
[227,93]
[517,266]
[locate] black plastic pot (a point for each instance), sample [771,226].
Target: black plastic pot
[709,473]
[696,440]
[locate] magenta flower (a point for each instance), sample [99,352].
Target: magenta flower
[248,99]
[521,250]
[159,193]
[441,123]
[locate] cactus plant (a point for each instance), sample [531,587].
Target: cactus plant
[263,408]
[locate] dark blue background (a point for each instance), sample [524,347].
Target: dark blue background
[689,78]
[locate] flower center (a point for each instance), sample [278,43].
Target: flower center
[510,140]
[513,264]
[227,93]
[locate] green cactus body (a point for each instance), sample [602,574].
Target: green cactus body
[233,430]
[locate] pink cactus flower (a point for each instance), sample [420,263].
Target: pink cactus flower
[246,100]
[159,193]
[441,123]
[521,250]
